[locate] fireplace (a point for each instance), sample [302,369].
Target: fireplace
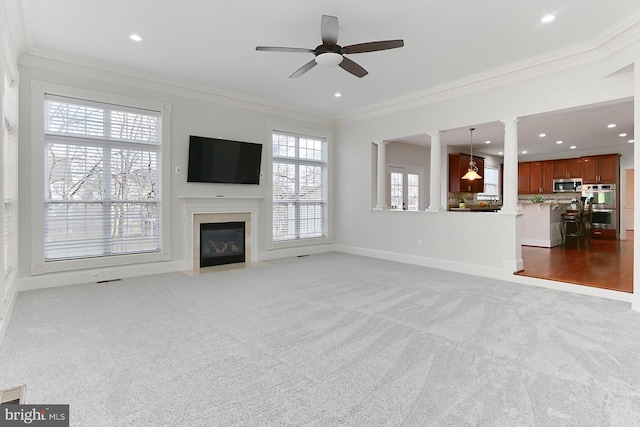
[222,243]
[199,211]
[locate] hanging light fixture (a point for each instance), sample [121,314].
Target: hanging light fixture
[472,173]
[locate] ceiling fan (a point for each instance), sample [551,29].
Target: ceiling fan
[330,53]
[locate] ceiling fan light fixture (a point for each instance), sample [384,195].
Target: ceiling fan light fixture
[329,59]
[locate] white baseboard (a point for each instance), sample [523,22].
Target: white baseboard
[51,280]
[440,264]
[296,251]
[542,243]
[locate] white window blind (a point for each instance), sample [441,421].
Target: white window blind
[299,187]
[9,169]
[102,194]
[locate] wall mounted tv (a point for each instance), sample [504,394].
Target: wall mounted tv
[223,161]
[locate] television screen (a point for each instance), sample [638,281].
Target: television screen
[223,161]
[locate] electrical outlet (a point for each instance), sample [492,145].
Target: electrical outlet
[95,275]
[420,243]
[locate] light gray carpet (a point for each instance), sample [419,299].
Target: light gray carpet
[326,340]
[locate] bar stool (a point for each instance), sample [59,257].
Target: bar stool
[587,224]
[571,225]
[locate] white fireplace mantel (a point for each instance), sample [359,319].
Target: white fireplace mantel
[220,205]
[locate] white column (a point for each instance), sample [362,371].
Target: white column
[435,197]
[381,199]
[510,181]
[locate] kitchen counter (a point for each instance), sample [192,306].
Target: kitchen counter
[541,223]
[477,209]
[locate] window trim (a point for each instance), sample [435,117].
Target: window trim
[302,132]
[38,263]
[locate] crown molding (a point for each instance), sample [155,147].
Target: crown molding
[47,60]
[13,20]
[615,39]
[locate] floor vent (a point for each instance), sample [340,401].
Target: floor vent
[13,395]
[107,281]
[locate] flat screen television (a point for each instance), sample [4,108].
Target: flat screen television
[223,161]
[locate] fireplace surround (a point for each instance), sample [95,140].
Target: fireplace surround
[219,210]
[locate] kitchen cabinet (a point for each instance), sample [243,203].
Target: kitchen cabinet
[458,166]
[600,169]
[535,177]
[541,177]
[567,168]
[523,177]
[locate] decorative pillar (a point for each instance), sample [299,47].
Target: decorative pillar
[381,199]
[435,198]
[510,182]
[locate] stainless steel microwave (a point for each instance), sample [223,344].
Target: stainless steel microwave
[567,185]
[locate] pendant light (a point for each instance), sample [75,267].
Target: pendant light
[472,173]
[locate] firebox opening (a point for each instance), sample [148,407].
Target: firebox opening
[222,243]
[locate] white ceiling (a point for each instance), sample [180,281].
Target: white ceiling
[212,44]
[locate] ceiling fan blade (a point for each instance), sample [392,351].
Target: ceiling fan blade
[373,46]
[283,49]
[352,67]
[306,67]
[329,30]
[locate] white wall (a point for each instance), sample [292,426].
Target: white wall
[193,112]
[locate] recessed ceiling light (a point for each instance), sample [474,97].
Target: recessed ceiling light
[135,37]
[337,94]
[631,141]
[547,18]
[542,135]
[622,135]
[524,152]
[487,142]
[559,142]
[612,125]
[573,147]
[500,152]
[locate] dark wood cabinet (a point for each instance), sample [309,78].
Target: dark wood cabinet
[458,166]
[600,169]
[547,178]
[567,168]
[540,177]
[523,177]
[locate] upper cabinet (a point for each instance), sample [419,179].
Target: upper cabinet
[458,166]
[523,177]
[535,177]
[567,168]
[600,169]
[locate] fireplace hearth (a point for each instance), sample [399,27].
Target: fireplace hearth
[222,243]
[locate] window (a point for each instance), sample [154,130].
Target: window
[299,187]
[102,182]
[491,178]
[405,188]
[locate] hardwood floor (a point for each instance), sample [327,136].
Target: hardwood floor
[604,264]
